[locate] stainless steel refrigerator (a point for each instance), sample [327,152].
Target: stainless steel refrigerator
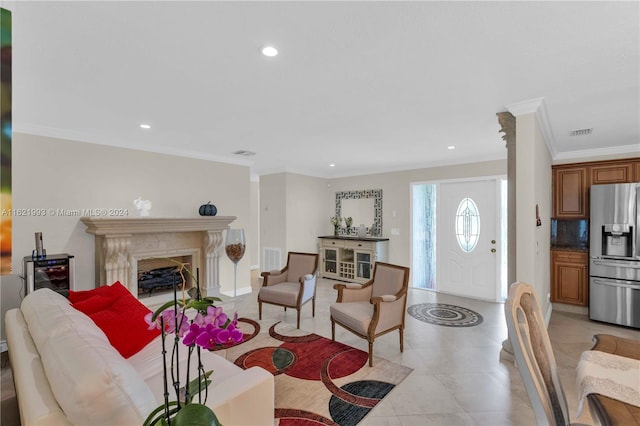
[614,250]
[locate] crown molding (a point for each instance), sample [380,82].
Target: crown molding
[538,107]
[525,107]
[598,152]
[57,133]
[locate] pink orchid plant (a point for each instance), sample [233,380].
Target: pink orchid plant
[209,328]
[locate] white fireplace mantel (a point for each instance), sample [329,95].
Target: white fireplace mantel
[121,242]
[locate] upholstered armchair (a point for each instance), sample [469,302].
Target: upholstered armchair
[292,286]
[374,308]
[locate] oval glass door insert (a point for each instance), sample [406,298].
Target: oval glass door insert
[467,225]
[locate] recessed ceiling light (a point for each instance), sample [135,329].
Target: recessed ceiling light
[269,51]
[244,153]
[145,126]
[332,165]
[451,147]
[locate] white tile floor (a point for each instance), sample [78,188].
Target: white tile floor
[458,378]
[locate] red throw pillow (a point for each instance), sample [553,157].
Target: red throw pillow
[121,317]
[94,304]
[105,290]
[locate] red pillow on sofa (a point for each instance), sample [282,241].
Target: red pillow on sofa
[105,290]
[121,317]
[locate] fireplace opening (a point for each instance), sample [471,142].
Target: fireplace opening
[158,275]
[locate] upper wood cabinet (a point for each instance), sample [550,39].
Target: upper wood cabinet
[612,173]
[570,192]
[571,183]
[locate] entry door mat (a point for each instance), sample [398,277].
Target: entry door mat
[318,381]
[443,314]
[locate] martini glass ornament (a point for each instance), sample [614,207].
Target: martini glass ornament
[235,247]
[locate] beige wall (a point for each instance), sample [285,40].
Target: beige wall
[396,197]
[533,164]
[253,237]
[306,217]
[273,213]
[62,174]
[293,212]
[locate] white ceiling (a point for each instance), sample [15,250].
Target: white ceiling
[369,86]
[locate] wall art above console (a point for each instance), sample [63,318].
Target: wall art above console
[364,206]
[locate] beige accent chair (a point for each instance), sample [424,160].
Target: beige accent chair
[374,308]
[534,356]
[292,286]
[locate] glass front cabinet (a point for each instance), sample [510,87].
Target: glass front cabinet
[330,262]
[351,259]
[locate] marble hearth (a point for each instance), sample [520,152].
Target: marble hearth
[121,242]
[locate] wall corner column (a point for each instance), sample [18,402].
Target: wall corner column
[508,127]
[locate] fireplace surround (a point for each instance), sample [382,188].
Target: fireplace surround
[121,242]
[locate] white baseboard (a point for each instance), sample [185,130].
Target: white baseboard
[3,346]
[547,316]
[239,291]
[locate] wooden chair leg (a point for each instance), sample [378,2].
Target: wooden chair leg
[401,340]
[285,309]
[371,354]
[333,330]
[259,309]
[298,318]
[313,306]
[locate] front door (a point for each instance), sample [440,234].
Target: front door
[468,252]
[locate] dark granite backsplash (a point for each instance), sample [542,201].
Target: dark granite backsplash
[570,233]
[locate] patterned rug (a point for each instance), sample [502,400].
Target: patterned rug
[317,381]
[447,315]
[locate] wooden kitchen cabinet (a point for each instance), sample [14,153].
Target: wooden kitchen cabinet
[612,173]
[636,174]
[570,277]
[570,192]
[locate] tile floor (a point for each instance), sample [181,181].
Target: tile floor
[458,377]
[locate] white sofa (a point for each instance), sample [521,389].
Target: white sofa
[66,372]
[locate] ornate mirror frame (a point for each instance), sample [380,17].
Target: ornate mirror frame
[376,229]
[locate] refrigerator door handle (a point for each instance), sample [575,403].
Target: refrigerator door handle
[626,264]
[617,283]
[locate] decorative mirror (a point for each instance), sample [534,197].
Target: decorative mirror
[364,207]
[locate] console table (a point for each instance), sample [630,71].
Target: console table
[351,258]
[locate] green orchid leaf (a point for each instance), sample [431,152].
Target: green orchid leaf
[195,415]
[200,305]
[212,299]
[157,415]
[199,383]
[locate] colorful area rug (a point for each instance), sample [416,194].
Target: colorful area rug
[317,381]
[447,315]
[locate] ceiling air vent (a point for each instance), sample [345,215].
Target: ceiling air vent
[581,132]
[245,153]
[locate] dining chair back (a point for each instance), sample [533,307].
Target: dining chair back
[534,356]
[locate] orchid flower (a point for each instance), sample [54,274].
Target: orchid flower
[215,316]
[207,338]
[229,335]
